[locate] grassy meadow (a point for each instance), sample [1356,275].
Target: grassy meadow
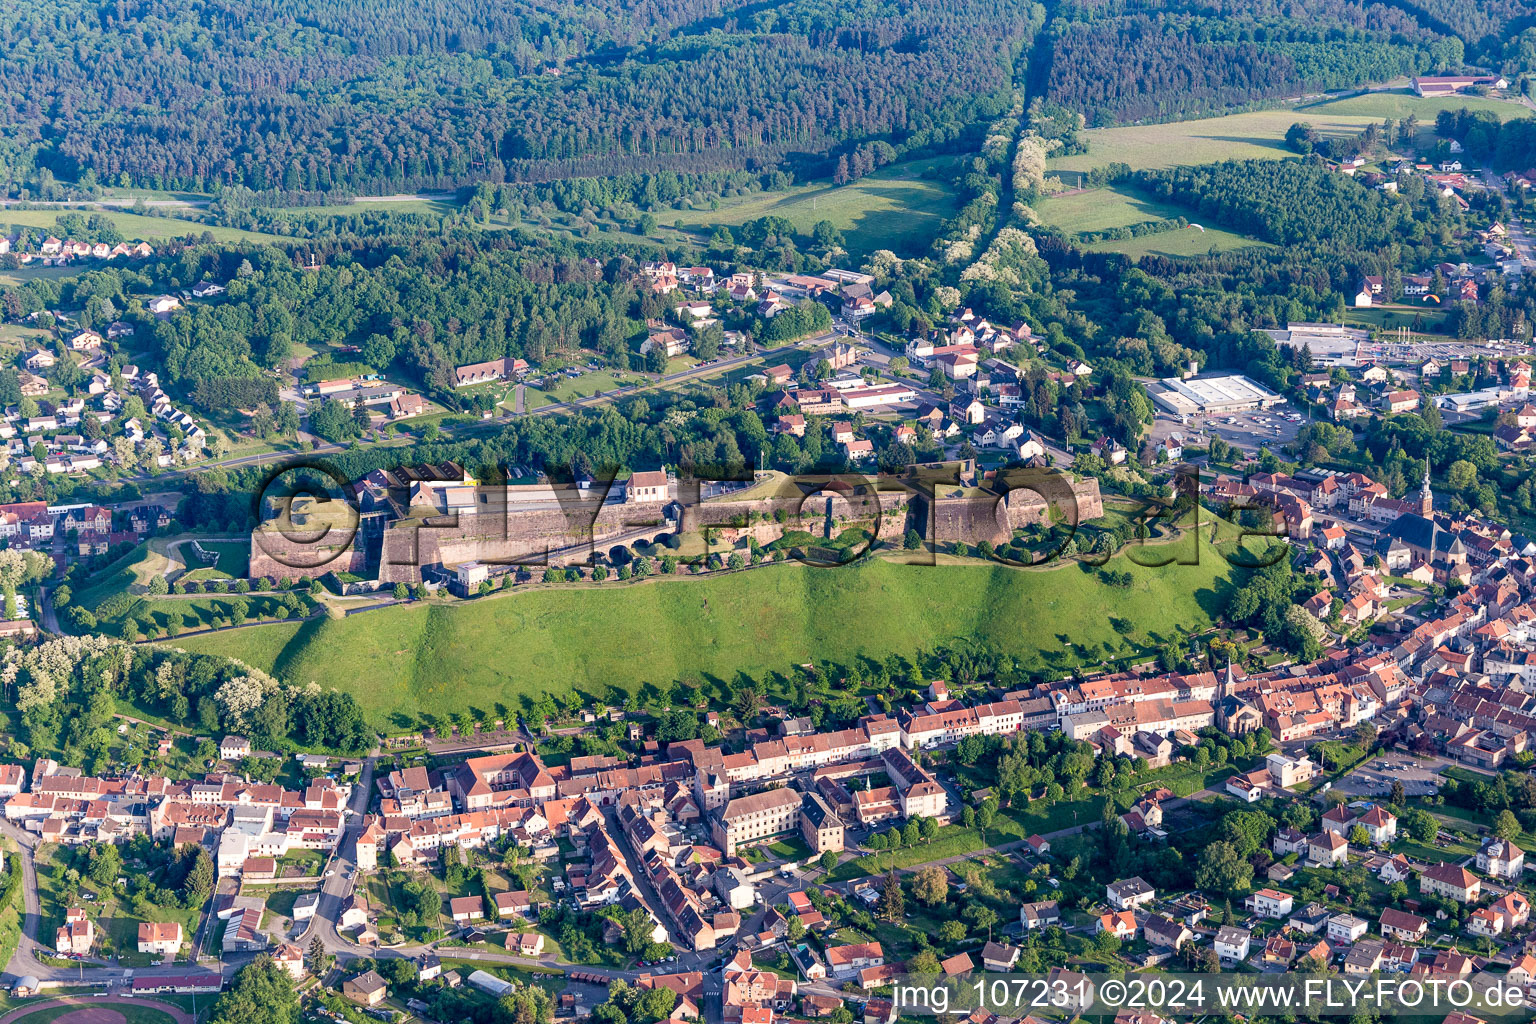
[1259,134]
[1103,209]
[506,648]
[133,226]
[900,207]
[1188,241]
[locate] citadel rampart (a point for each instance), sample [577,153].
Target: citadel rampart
[571,532]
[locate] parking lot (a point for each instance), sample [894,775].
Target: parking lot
[1375,777]
[1252,430]
[1248,431]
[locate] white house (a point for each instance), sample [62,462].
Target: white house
[1232,944]
[1129,893]
[1500,858]
[1346,928]
[1270,903]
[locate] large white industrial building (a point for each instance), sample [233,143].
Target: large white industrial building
[1209,396]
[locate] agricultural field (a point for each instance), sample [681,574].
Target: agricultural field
[454,656]
[1399,103]
[437,207]
[1256,134]
[900,207]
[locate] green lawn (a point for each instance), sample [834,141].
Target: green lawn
[572,387]
[280,901]
[790,848]
[506,648]
[900,207]
[1255,134]
[234,558]
[1430,318]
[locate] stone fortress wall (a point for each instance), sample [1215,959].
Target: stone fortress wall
[570,532]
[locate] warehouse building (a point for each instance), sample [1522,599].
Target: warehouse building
[1211,396]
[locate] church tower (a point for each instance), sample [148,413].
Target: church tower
[1426,497]
[1224,702]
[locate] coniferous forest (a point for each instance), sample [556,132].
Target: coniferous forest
[375,98]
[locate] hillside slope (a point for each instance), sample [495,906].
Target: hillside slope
[439,658]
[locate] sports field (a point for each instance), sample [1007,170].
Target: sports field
[1258,134]
[1430,318]
[504,649]
[900,207]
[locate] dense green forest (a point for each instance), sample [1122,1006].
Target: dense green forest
[283,103]
[1293,202]
[1115,61]
[284,95]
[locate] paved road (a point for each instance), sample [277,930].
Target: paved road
[45,613]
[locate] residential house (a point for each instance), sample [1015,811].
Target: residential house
[1129,893]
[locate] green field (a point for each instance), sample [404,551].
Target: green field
[1399,103]
[438,207]
[23,336]
[571,387]
[1105,208]
[21,275]
[1189,241]
[508,648]
[1430,317]
[898,208]
[1100,209]
[133,226]
[1259,133]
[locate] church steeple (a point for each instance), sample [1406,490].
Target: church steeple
[1426,496]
